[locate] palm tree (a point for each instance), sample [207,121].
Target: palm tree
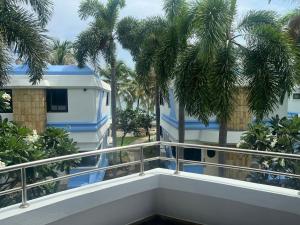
[99,39]
[157,43]
[143,39]
[22,32]
[123,74]
[62,53]
[215,62]
[173,42]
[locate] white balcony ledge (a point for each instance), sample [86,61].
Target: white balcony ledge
[191,197]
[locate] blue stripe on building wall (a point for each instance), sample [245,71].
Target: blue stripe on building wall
[54,70]
[191,124]
[81,126]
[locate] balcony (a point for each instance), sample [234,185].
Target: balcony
[151,190]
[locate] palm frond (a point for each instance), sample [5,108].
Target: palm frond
[191,73]
[90,44]
[254,19]
[270,67]
[25,36]
[43,8]
[223,78]
[173,8]
[130,35]
[4,63]
[90,8]
[211,21]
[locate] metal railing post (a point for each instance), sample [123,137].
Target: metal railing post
[142,163]
[24,189]
[177,160]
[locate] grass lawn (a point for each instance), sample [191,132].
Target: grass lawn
[127,140]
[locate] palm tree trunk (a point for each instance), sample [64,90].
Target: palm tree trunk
[181,131]
[222,142]
[113,100]
[157,106]
[181,123]
[138,103]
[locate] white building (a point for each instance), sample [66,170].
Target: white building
[294,103]
[68,97]
[198,133]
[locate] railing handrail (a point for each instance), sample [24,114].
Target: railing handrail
[144,145]
[22,167]
[75,156]
[233,150]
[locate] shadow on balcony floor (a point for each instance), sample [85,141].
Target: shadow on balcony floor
[162,220]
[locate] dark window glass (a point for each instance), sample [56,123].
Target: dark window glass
[192,154]
[9,108]
[107,98]
[161,131]
[57,100]
[89,161]
[296,96]
[173,151]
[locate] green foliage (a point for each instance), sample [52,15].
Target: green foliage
[5,100]
[62,53]
[98,39]
[130,121]
[22,32]
[127,122]
[267,65]
[19,144]
[144,121]
[56,142]
[281,135]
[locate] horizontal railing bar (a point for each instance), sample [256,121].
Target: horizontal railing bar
[233,150]
[10,191]
[29,186]
[226,166]
[76,156]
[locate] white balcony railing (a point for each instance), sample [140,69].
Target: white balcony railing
[139,147]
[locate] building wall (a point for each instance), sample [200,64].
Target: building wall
[294,104]
[241,116]
[82,106]
[29,108]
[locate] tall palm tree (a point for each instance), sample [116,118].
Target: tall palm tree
[99,39]
[22,32]
[143,39]
[215,61]
[173,42]
[157,43]
[123,74]
[62,53]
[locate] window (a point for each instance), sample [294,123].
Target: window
[107,98]
[8,108]
[192,154]
[296,96]
[57,100]
[89,161]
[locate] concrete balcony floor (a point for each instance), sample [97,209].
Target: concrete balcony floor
[195,198]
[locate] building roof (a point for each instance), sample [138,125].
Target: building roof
[57,76]
[53,70]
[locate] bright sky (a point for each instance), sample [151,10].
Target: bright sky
[66,25]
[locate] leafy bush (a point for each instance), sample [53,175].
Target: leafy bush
[19,144]
[280,135]
[130,121]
